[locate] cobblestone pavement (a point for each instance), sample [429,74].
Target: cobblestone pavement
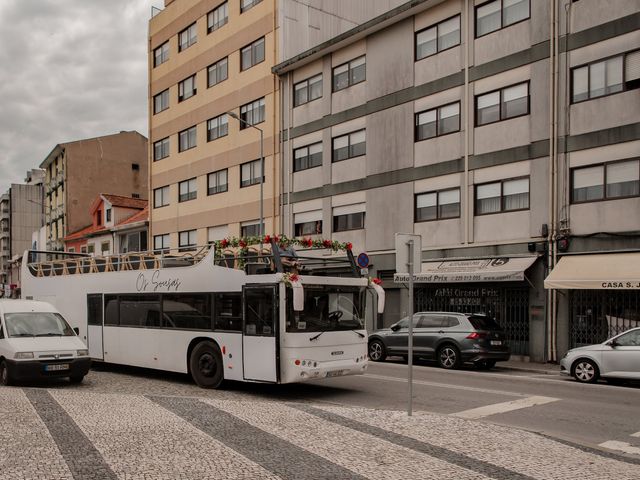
[117,426]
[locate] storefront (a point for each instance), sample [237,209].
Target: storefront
[496,286]
[603,295]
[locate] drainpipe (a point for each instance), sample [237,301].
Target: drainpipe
[467,224]
[274,189]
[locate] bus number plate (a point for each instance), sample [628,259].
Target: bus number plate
[56,367]
[335,373]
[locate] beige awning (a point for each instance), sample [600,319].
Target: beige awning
[619,271]
[503,269]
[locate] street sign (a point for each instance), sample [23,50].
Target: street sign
[402,252]
[363,260]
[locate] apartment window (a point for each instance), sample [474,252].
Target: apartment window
[187,190]
[437,205]
[349,145]
[249,229]
[161,54]
[161,149]
[91,248]
[438,38]
[187,37]
[348,217]
[307,157]
[135,167]
[161,197]
[250,173]
[349,73]
[187,139]
[605,181]
[187,240]
[218,17]
[217,72]
[187,88]
[161,101]
[498,14]
[217,182]
[502,196]
[252,54]
[307,223]
[438,121]
[217,233]
[247,4]
[161,243]
[105,247]
[605,77]
[107,214]
[307,90]
[509,102]
[135,195]
[252,113]
[217,127]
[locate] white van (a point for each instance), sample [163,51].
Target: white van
[36,342]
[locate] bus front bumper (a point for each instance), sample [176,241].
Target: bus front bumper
[328,369]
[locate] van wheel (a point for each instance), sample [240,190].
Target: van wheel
[5,378]
[76,378]
[206,365]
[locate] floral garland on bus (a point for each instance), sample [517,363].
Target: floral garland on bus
[281,240]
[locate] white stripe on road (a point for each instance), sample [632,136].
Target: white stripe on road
[637,434]
[444,385]
[621,446]
[487,410]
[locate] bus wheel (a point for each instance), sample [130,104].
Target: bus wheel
[206,366]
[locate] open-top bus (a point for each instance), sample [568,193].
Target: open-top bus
[217,314]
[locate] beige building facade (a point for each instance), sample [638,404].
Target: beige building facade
[209,62]
[76,172]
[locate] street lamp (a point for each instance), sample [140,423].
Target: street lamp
[247,124]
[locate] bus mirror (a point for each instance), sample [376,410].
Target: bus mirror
[298,296]
[380,291]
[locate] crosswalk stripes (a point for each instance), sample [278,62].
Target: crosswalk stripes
[503,407]
[67,434]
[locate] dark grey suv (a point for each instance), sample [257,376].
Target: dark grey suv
[451,339]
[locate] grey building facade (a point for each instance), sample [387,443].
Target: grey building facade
[498,130]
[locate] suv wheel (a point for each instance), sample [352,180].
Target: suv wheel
[377,352]
[449,357]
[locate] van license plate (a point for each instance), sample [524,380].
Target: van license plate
[335,373]
[56,367]
[496,342]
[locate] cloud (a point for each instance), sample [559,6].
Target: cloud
[69,69]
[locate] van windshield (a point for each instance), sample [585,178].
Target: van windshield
[37,324]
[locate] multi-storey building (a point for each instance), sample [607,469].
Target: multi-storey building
[21,214]
[210,90]
[505,133]
[76,172]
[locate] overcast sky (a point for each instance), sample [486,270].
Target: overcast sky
[69,69]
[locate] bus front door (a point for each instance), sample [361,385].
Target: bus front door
[259,333]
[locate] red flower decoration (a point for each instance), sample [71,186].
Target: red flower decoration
[307,242]
[267,239]
[294,277]
[276,238]
[348,246]
[326,243]
[242,243]
[377,281]
[224,243]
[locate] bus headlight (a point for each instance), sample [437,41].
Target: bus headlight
[83,353]
[23,355]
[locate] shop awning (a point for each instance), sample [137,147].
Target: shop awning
[610,271]
[502,269]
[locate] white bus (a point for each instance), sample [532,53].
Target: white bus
[214,317]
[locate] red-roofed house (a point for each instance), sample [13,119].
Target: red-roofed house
[120,225]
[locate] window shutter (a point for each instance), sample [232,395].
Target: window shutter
[632,66]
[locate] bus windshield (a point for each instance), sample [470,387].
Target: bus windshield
[327,309]
[37,324]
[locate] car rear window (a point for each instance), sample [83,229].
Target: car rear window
[484,323]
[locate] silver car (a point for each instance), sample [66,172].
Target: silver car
[618,358]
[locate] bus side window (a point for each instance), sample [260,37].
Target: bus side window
[228,311]
[94,309]
[111,313]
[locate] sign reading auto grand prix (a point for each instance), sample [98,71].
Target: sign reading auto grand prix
[502,269]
